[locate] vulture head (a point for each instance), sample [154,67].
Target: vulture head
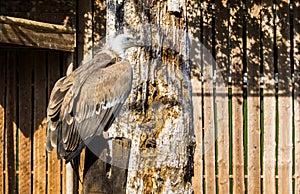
[121,43]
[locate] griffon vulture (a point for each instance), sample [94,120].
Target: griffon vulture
[86,102]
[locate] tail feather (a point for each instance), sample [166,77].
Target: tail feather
[75,163]
[74,159]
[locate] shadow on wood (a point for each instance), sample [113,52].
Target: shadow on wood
[105,167]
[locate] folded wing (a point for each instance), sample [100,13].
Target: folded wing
[84,104]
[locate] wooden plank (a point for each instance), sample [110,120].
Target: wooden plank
[197,115]
[25,107]
[14,34]
[84,40]
[39,140]
[68,63]
[120,159]
[269,159]
[67,178]
[284,100]
[64,177]
[209,128]
[63,165]
[194,13]
[297,94]
[222,40]
[95,168]
[99,31]
[3,54]
[253,98]
[84,45]
[236,55]
[194,16]
[53,162]
[11,126]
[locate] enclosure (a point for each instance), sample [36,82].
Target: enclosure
[248,97]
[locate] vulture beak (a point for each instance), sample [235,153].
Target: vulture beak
[137,42]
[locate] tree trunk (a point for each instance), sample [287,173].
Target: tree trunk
[157,117]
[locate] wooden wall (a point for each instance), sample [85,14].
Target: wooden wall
[26,79]
[255,46]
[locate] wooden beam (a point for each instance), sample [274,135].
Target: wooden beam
[36,34]
[40,26]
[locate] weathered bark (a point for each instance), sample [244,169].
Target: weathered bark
[157,117]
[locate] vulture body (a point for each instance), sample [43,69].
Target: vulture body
[85,103]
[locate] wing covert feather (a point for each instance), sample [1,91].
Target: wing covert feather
[102,90]
[86,103]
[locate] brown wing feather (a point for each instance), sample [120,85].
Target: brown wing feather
[62,93]
[90,105]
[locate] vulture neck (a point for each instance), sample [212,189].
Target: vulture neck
[119,52]
[104,55]
[117,49]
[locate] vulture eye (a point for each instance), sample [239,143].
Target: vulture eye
[98,108]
